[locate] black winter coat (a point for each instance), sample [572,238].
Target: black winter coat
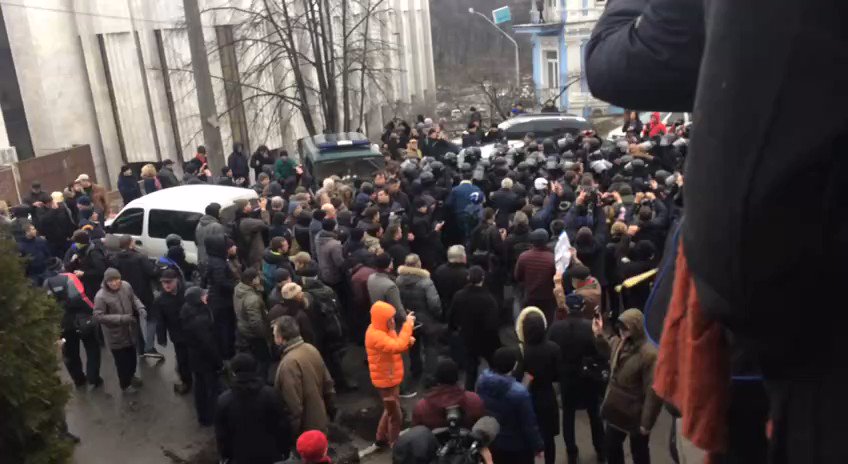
[219,276]
[540,358]
[573,337]
[251,424]
[505,202]
[56,225]
[91,260]
[427,244]
[237,162]
[449,278]
[128,186]
[139,272]
[168,307]
[199,329]
[474,312]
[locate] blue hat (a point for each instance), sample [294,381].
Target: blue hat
[84,200]
[574,302]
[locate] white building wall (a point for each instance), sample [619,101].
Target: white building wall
[62,76]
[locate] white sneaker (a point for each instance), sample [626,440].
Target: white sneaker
[130,390]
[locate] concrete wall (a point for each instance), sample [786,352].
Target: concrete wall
[90,72]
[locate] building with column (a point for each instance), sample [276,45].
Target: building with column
[559,32]
[116,74]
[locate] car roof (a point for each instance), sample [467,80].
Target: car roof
[321,149]
[538,116]
[192,198]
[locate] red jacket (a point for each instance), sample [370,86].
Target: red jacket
[431,410]
[655,127]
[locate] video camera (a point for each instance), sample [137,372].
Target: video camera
[462,446]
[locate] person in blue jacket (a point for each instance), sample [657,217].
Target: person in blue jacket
[464,204]
[508,401]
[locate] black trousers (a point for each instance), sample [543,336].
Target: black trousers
[261,352]
[205,387]
[472,367]
[513,457]
[71,357]
[615,446]
[225,327]
[125,363]
[809,418]
[550,449]
[569,409]
[183,365]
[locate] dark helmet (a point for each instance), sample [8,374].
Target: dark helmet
[450,158]
[427,178]
[596,155]
[530,163]
[661,176]
[548,145]
[568,155]
[522,166]
[437,167]
[499,161]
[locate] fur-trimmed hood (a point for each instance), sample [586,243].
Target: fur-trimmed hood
[413,271]
[533,331]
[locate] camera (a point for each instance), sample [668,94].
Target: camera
[456,444]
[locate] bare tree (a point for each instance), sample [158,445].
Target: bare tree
[313,57]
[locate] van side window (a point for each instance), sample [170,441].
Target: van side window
[129,222]
[163,222]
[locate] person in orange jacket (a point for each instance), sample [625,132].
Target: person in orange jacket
[384,346]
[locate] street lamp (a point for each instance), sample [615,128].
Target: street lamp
[517,72]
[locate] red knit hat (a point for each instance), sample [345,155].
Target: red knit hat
[312,446]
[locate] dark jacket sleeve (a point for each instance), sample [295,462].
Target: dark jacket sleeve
[646,53]
[223,434]
[529,423]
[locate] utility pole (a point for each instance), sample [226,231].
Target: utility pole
[514,43]
[205,92]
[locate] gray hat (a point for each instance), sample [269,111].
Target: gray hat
[111,274]
[539,237]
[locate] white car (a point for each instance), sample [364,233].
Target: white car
[489,148]
[174,210]
[645,117]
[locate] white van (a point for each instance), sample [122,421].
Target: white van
[174,210]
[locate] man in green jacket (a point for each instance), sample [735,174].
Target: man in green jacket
[253,329]
[284,166]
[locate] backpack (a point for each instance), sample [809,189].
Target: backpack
[327,306]
[268,276]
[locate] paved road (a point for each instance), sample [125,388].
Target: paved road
[156,426]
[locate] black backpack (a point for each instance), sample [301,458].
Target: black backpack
[327,306]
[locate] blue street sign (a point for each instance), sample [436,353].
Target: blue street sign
[501,15]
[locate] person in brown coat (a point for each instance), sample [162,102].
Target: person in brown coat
[630,406]
[96,192]
[303,380]
[295,303]
[586,286]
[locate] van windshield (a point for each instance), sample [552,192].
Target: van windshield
[362,168]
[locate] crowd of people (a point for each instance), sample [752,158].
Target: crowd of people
[441,263]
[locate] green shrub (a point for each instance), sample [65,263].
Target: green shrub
[32,398]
